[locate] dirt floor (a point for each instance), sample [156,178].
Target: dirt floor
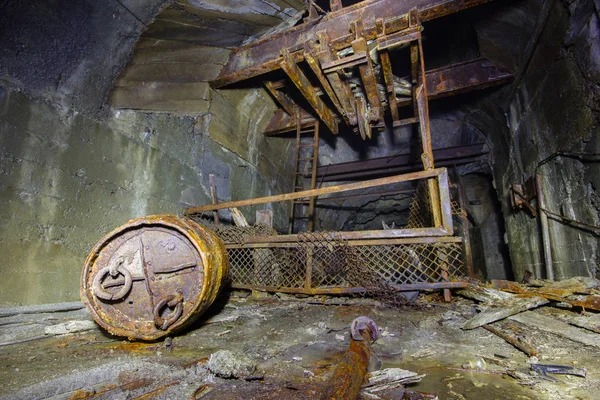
[282,346]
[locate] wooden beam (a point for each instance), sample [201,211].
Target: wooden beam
[462,77]
[383,165]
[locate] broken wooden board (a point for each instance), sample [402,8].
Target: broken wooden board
[591,322]
[563,291]
[41,308]
[389,379]
[552,325]
[503,310]
[22,328]
[484,295]
[238,217]
[566,287]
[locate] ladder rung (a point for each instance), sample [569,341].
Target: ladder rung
[307,145]
[306,159]
[406,121]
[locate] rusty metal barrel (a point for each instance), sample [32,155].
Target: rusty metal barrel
[153,276]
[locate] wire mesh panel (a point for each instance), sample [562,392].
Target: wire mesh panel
[420,215]
[270,267]
[332,263]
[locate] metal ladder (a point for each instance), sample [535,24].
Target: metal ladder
[301,216]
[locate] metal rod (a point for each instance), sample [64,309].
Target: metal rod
[420,233]
[313,178]
[462,202]
[213,197]
[516,342]
[361,195]
[372,242]
[341,290]
[318,192]
[544,227]
[292,213]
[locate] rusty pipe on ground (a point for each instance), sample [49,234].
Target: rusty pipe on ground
[349,375]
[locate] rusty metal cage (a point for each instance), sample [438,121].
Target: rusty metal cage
[424,254]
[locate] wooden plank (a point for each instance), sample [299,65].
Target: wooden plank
[513,340]
[291,241]
[591,322]
[512,306]
[341,171]
[485,295]
[367,75]
[558,293]
[461,78]
[341,88]
[556,327]
[41,308]
[44,322]
[341,290]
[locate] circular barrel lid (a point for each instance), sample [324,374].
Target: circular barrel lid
[146,278]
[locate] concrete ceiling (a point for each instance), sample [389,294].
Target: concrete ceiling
[186,46]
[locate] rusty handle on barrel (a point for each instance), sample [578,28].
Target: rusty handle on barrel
[173,301]
[349,375]
[113,270]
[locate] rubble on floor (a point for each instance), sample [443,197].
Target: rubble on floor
[283,346]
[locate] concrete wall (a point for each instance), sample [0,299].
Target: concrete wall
[72,169]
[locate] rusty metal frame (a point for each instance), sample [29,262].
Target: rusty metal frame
[442,82]
[341,41]
[291,68]
[262,56]
[442,232]
[350,290]
[442,205]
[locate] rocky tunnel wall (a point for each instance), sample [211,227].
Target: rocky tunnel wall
[553,106]
[72,168]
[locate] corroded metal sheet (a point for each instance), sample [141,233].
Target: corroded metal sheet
[153,276]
